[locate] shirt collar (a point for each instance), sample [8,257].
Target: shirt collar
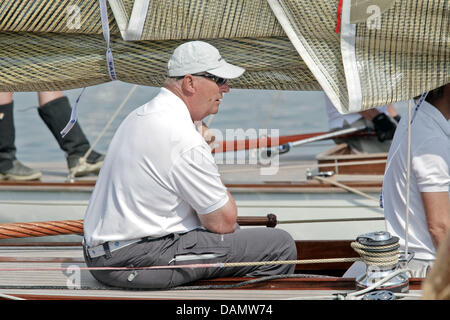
[178,105]
[432,112]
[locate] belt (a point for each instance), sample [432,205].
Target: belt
[110,246]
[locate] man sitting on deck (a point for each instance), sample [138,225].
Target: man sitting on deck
[159,200]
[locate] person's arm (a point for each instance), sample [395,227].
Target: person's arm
[437,210]
[222,220]
[195,178]
[393,112]
[383,125]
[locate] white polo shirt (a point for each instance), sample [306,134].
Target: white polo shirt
[430,163]
[158,173]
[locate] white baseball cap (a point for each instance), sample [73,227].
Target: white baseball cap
[198,56]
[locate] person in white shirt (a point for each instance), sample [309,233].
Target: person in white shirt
[383,120]
[429,211]
[159,199]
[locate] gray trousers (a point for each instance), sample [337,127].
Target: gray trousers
[198,246]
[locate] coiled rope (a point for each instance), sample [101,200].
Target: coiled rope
[386,255]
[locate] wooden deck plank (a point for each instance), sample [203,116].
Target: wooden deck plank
[173,294]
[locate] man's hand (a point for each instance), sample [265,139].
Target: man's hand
[207,134]
[384,127]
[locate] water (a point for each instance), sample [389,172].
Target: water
[291,112]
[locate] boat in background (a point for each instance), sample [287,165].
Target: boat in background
[307,205]
[370,163]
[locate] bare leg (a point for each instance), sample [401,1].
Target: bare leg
[6,97]
[47,96]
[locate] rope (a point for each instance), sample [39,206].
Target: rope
[308,261]
[354,295]
[343,186]
[192,266]
[338,184]
[272,108]
[40,229]
[314,166]
[408,181]
[387,258]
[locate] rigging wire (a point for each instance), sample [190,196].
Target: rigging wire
[102,133]
[272,108]
[408,182]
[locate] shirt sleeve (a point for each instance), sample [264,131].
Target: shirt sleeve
[196,179]
[430,164]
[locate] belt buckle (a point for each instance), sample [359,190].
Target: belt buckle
[110,246]
[107,250]
[96,251]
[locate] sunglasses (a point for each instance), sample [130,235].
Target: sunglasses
[218,80]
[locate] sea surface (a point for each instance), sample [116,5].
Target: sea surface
[290,112]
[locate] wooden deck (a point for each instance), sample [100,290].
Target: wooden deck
[73,284]
[41,271]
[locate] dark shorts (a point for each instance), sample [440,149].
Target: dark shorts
[196,247]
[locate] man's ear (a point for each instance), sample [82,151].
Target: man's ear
[188,84]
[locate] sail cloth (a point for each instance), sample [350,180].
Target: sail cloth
[392,52]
